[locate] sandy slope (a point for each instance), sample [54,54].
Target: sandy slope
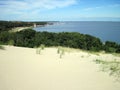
[17,29]
[23,69]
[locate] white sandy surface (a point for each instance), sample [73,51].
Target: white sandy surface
[23,69]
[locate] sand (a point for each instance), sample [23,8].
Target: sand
[23,69]
[17,29]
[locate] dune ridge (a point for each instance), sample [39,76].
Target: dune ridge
[23,69]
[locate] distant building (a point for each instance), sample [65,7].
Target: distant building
[34,25]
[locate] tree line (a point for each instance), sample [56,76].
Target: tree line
[31,38]
[8,25]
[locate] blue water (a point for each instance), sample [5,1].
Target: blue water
[106,31]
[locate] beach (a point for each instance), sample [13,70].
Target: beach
[23,69]
[18,29]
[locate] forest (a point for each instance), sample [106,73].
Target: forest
[31,38]
[8,25]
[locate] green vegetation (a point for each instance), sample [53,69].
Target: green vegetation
[40,48]
[8,25]
[31,38]
[61,51]
[111,47]
[58,51]
[112,67]
[1,47]
[11,42]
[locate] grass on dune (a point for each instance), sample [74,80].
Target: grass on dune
[40,48]
[112,67]
[1,47]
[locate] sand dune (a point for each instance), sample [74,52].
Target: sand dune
[23,69]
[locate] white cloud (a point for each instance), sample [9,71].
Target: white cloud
[39,4]
[108,6]
[92,8]
[31,8]
[114,5]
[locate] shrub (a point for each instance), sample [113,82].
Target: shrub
[42,46]
[58,51]
[11,42]
[61,51]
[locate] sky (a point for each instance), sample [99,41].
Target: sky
[60,10]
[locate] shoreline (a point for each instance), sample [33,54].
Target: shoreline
[17,29]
